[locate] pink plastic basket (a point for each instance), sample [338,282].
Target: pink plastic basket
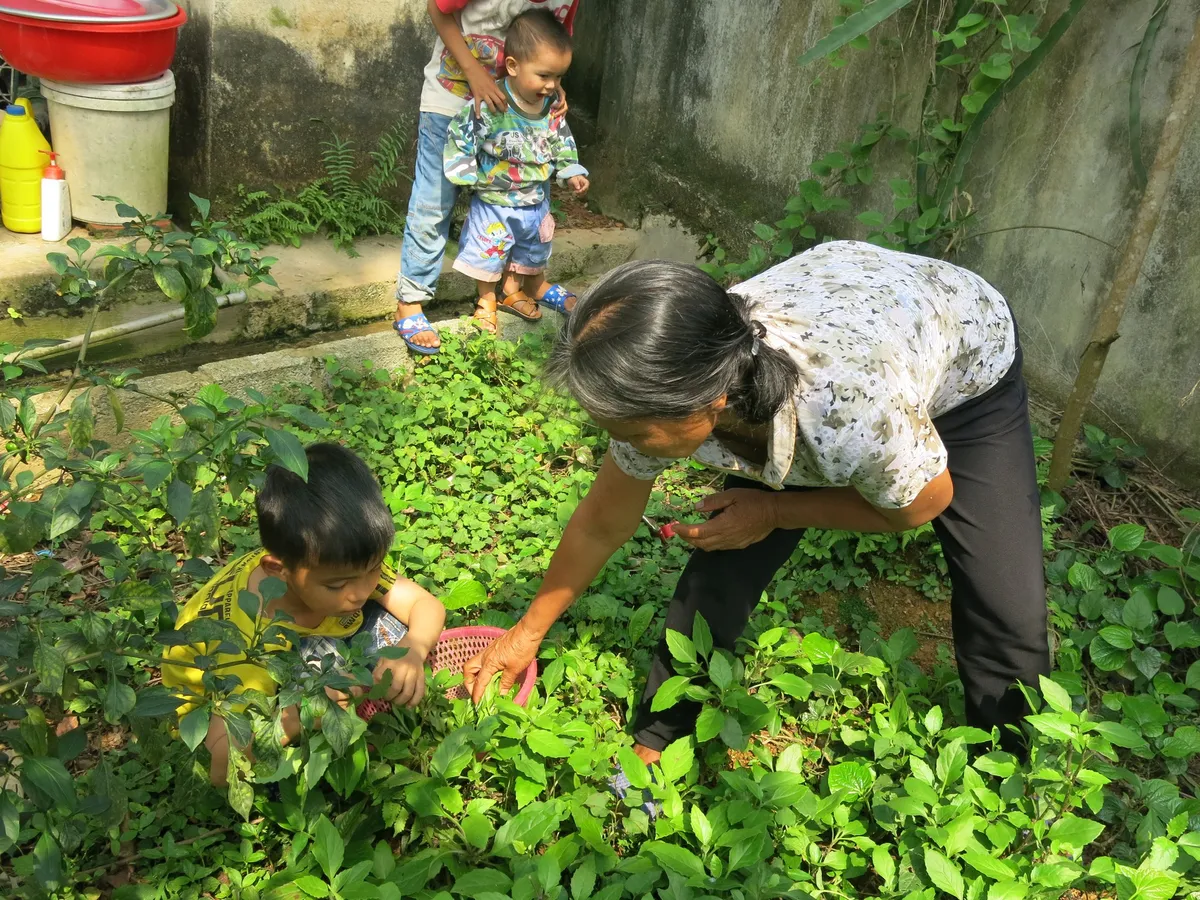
[458,645]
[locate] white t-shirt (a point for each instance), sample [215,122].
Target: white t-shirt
[885,342]
[484,24]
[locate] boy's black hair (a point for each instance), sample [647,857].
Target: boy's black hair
[337,517]
[533,29]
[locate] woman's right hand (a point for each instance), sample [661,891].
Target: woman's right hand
[485,89]
[510,655]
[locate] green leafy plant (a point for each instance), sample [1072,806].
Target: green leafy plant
[192,267]
[342,205]
[819,768]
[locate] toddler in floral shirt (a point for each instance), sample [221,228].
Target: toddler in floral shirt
[508,158]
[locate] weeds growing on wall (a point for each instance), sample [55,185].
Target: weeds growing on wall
[980,56]
[341,204]
[819,768]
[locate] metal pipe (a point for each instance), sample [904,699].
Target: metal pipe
[235,298]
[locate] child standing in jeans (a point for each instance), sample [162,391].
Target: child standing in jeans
[508,159]
[465,62]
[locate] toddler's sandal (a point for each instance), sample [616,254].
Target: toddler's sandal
[485,320]
[409,327]
[556,298]
[522,306]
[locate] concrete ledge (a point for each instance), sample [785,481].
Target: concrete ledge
[320,288]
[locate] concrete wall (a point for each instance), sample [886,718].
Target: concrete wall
[701,111]
[256,75]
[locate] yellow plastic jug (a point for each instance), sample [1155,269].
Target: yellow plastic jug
[22,159]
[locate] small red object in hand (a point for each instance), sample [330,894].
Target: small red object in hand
[667,531]
[369,709]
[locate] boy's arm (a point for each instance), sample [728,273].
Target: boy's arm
[422,612]
[483,86]
[460,158]
[566,153]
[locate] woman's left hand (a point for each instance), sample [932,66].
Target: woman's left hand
[746,517]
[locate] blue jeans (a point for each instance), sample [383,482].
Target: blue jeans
[427,225]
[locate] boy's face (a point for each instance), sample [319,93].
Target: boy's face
[329,590]
[538,77]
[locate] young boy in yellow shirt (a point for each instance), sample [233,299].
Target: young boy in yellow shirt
[326,540]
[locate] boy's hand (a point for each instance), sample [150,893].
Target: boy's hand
[408,678]
[485,89]
[558,111]
[579,184]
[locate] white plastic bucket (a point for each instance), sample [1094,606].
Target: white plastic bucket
[113,140]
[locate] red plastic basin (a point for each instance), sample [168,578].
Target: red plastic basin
[90,53]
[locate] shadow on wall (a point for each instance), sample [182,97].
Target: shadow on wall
[254,110]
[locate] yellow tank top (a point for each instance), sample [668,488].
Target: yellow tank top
[219,600]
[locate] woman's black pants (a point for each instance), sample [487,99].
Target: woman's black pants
[991,536]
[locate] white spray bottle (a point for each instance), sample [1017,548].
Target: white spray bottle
[56,201]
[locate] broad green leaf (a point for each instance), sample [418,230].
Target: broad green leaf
[852,777]
[675,858]
[681,647]
[312,886]
[475,882]
[1008,890]
[677,759]
[1126,538]
[193,727]
[1147,660]
[793,686]
[1075,831]
[328,848]
[1184,743]
[1118,636]
[635,770]
[81,420]
[720,671]
[732,734]
[548,745]
[855,26]
[669,693]
[1121,735]
[49,777]
[1055,695]
[119,700]
[1169,601]
[288,451]
[1083,577]
[465,594]
[885,866]
[933,720]
[952,760]
[1052,725]
[47,862]
[179,500]
[1105,656]
[639,622]
[753,846]
[703,829]
[989,865]
[709,724]
[944,874]
[171,282]
[50,666]
[702,636]
[583,881]
[1137,613]
[478,830]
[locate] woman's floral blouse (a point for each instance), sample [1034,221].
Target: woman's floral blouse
[885,342]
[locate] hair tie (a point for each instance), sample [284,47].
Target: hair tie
[758,332]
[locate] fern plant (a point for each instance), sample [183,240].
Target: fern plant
[343,206]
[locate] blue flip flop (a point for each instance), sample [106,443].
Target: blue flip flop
[556,298]
[414,325]
[620,786]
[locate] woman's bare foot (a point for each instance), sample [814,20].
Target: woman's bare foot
[428,338]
